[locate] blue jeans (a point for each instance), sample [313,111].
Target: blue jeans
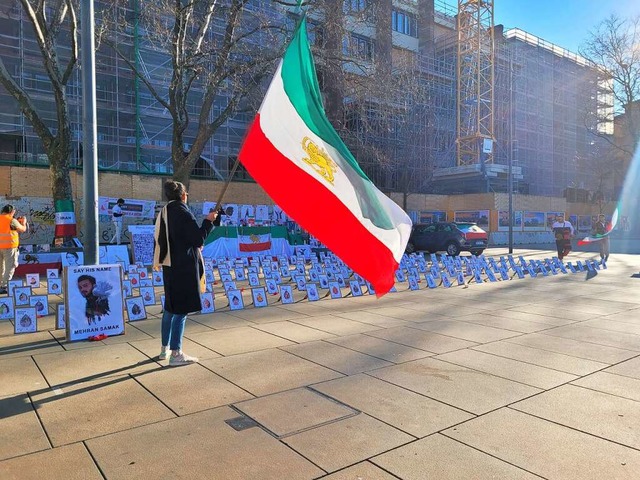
[173,326]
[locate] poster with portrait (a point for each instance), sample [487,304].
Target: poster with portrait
[158,278]
[503,220]
[262,214]
[231,214]
[247,214]
[53,273]
[93,301]
[33,280]
[25,320]
[334,289]
[6,308]
[286,294]
[41,304]
[272,286]
[356,291]
[259,297]
[72,259]
[236,301]
[21,296]
[136,309]
[54,286]
[206,299]
[312,292]
[480,217]
[534,221]
[148,295]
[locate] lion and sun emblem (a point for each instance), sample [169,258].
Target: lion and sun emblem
[319,160]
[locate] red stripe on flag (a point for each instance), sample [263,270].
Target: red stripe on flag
[65,230]
[317,210]
[255,247]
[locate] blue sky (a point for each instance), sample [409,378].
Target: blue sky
[563,22]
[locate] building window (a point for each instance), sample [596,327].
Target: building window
[404,22]
[315,34]
[357,46]
[349,6]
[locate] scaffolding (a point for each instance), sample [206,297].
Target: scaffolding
[529,96]
[475,76]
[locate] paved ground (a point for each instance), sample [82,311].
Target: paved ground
[524,379]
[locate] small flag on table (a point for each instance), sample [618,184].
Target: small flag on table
[65,219]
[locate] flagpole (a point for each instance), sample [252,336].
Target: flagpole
[226,184]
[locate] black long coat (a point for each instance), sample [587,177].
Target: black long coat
[182,278]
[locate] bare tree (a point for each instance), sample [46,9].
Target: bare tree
[613,48]
[215,50]
[377,103]
[55,30]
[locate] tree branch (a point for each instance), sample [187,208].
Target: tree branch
[73,33]
[137,73]
[26,105]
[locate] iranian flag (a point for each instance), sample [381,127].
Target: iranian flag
[295,154]
[65,219]
[255,242]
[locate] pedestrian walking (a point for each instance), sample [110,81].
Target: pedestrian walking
[563,231]
[601,228]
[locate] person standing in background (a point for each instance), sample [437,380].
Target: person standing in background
[10,229]
[116,215]
[600,229]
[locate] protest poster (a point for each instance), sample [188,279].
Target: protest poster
[93,301]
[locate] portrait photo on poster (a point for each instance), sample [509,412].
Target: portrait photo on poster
[93,302]
[21,296]
[312,292]
[6,308]
[25,320]
[136,309]
[206,299]
[259,296]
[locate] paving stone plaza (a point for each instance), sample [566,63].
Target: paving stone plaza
[520,379]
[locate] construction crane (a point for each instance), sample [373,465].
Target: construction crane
[475,75]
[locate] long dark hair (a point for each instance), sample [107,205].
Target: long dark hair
[174,190]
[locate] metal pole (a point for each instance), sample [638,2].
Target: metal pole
[510,179]
[89,134]
[510,186]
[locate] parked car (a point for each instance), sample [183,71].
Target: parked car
[451,237]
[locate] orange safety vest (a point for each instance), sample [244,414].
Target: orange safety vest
[8,238]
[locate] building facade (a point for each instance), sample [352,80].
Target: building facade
[405,140]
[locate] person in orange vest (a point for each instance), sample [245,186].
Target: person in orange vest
[10,228]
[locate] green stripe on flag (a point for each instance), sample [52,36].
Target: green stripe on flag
[301,86]
[63,205]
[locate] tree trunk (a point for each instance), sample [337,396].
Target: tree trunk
[59,155]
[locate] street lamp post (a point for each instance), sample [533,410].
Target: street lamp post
[89,134]
[511,152]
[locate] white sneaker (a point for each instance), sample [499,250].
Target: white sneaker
[181,358]
[164,353]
